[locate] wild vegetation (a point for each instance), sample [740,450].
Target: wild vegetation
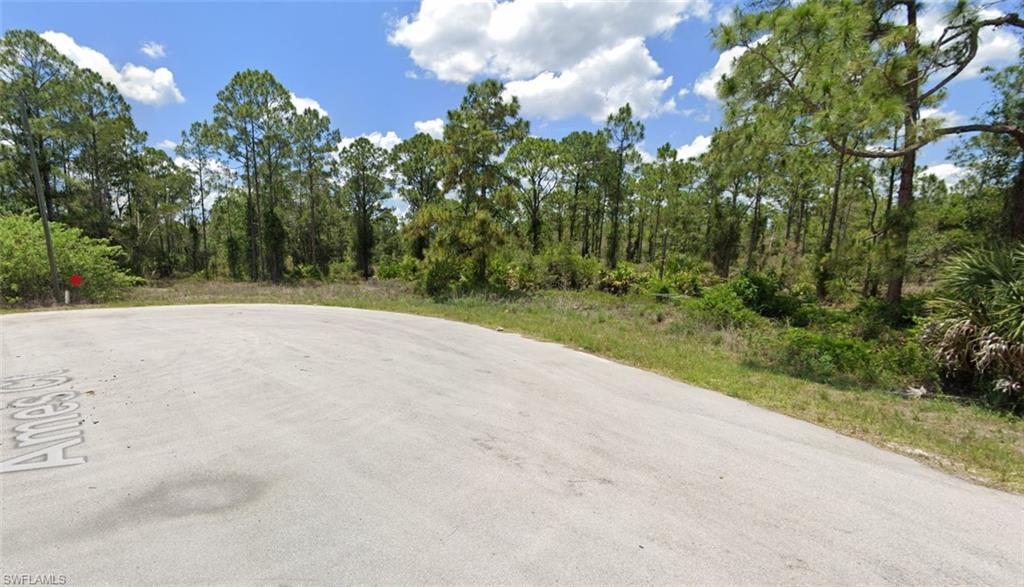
[808,224]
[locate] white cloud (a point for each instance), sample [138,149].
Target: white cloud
[137,83]
[944,117]
[996,46]
[433,127]
[707,84]
[947,172]
[697,147]
[387,140]
[645,157]
[167,145]
[153,50]
[726,14]
[302,104]
[398,205]
[548,50]
[598,86]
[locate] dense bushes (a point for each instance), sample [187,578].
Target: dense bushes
[821,357]
[838,359]
[763,293]
[685,283]
[510,271]
[25,272]
[567,269]
[722,307]
[621,280]
[977,329]
[513,272]
[439,274]
[405,268]
[873,318]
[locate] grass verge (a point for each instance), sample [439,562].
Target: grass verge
[972,442]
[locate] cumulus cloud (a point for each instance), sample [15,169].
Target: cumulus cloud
[135,82]
[386,140]
[726,14]
[433,127]
[945,117]
[598,85]
[303,104]
[153,50]
[947,172]
[167,145]
[549,51]
[695,148]
[707,84]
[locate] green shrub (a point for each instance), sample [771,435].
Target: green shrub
[567,269]
[804,291]
[657,286]
[513,273]
[688,283]
[684,283]
[826,358]
[305,272]
[440,274]
[976,332]
[620,280]
[343,272]
[684,263]
[906,362]
[405,267]
[843,360]
[764,295]
[827,318]
[25,270]
[872,318]
[721,307]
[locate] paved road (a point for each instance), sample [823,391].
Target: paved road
[303,445]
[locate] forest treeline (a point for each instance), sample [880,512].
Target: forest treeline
[812,178]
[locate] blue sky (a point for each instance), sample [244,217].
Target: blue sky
[379,67]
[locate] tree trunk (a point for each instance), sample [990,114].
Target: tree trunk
[664,250]
[202,210]
[37,182]
[1015,206]
[312,221]
[824,269]
[573,209]
[654,233]
[755,231]
[250,221]
[900,225]
[535,203]
[48,193]
[903,219]
[585,233]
